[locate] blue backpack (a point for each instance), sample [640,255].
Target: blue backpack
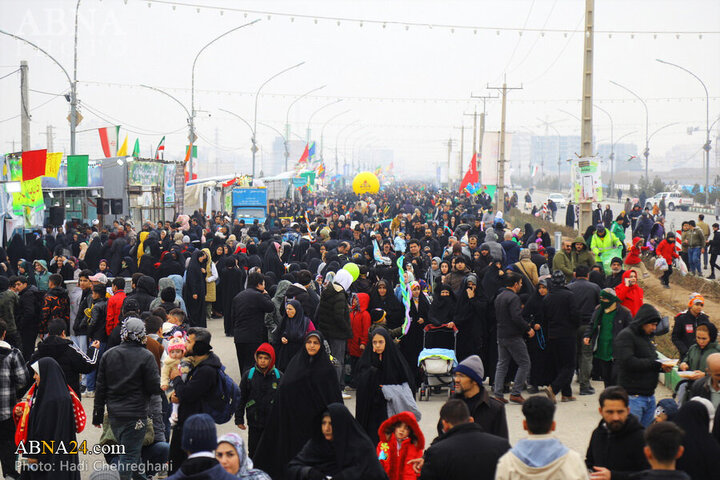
[223,406]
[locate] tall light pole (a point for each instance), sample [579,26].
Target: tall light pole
[337,140]
[191,135]
[73,88]
[287,120]
[257,94]
[239,118]
[706,147]
[612,149]
[72,98]
[646,153]
[316,111]
[322,132]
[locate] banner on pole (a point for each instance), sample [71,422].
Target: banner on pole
[587,180]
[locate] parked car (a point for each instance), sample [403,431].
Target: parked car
[559,199]
[673,200]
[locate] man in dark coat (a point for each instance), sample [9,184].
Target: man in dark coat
[464,451]
[333,320]
[587,297]
[683,332]
[28,314]
[561,313]
[144,293]
[616,445]
[636,359]
[199,387]
[248,315]
[486,411]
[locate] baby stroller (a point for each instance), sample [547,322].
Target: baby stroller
[437,360]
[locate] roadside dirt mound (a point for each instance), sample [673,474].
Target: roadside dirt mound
[674,300]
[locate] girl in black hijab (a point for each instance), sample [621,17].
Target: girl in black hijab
[442,308]
[51,418]
[492,281]
[308,386]
[127,267]
[411,343]
[383,297]
[195,289]
[469,318]
[338,448]
[380,364]
[291,333]
[527,236]
[701,459]
[273,261]
[169,265]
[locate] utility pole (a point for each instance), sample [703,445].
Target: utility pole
[481,134]
[462,150]
[586,149]
[449,153]
[24,107]
[50,137]
[500,199]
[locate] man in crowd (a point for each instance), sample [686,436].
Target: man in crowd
[664,447]
[616,447]
[709,386]
[561,314]
[464,451]
[582,255]
[487,411]
[28,316]
[683,332]
[636,359]
[540,455]
[248,313]
[511,331]
[563,261]
[13,378]
[586,296]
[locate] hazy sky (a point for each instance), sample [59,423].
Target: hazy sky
[425,75]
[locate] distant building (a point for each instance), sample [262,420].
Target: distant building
[544,152]
[623,152]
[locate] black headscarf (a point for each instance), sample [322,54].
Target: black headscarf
[349,455]
[394,311]
[52,418]
[442,308]
[294,328]
[702,452]
[308,386]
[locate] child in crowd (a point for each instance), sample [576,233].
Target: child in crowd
[178,319]
[633,258]
[258,387]
[360,323]
[401,440]
[174,360]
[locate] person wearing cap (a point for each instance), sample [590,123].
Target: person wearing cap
[605,325]
[333,319]
[127,377]
[637,365]
[616,445]
[486,410]
[686,322]
[199,441]
[666,410]
[616,273]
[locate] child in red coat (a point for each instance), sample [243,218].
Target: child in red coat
[401,440]
[633,260]
[360,323]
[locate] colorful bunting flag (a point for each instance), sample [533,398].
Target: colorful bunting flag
[122,151]
[311,152]
[33,164]
[52,164]
[136,148]
[77,170]
[109,137]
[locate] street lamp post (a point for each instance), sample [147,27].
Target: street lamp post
[287,120]
[191,135]
[612,149]
[257,94]
[316,111]
[322,132]
[706,147]
[646,153]
[337,139]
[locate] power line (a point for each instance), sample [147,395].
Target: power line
[32,109]
[115,121]
[13,72]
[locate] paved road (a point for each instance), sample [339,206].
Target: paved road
[575,421]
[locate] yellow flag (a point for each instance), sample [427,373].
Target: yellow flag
[122,151]
[52,164]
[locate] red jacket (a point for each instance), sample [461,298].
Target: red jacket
[630,297]
[394,461]
[633,256]
[360,323]
[114,305]
[667,250]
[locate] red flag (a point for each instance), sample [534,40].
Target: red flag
[304,157]
[33,164]
[471,176]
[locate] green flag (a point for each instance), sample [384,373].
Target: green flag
[77,170]
[136,148]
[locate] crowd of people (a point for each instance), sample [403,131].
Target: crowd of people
[333,297]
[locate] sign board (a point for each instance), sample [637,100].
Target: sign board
[169,183]
[587,180]
[145,174]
